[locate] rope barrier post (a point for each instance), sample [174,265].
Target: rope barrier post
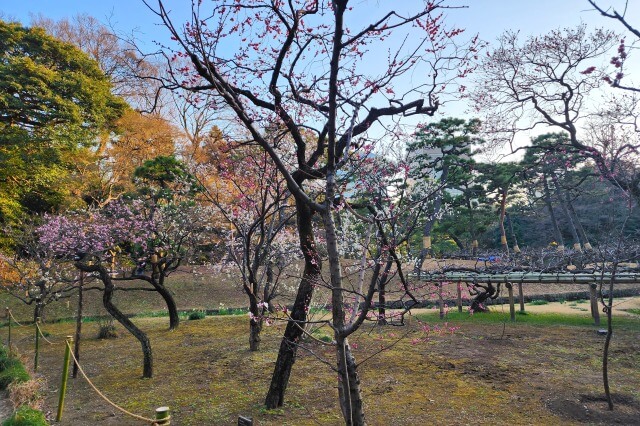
[512,306]
[9,338]
[65,376]
[459,297]
[163,416]
[36,356]
[595,313]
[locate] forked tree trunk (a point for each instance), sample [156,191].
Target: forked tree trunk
[554,221]
[293,331]
[107,296]
[576,221]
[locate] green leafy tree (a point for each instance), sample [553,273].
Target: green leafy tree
[439,150]
[54,102]
[500,179]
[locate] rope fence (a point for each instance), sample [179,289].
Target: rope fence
[162,413]
[14,318]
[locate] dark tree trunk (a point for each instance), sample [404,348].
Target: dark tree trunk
[554,221]
[349,390]
[576,221]
[255,327]
[516,247]
[172,308]
[76,340]
[503,233]
[293,331]
[483,293]
[105,277]
[38,311]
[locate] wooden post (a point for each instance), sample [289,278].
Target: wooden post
[65,376]
[512,307]
[459,298]
[163,416]
[440,301]
[9,338]
[35,358]
[595,313]
[521,296]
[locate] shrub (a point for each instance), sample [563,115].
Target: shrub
[539,302]
[26,416]
[106,329]
[196,315]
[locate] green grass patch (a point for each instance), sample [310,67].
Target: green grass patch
[530,318]
[539,302]
[26,416]
[635,311]
[11,370]
[197,315]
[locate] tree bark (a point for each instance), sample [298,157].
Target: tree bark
[349,391]
[295,325]
[255,327]
[76,340]
[516,247]
[172,308]
[107,296]
[554,221]
[503,209]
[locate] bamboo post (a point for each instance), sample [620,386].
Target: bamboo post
[65,376]
[36,356]
[512,306]
[459,297]
[595,313]
[440,301]
[163,416]
[521,296]
[9,338]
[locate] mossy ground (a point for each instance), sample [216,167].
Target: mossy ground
[487,372]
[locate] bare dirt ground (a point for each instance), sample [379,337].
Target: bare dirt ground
[483,373]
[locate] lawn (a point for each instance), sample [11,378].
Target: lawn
[544,369]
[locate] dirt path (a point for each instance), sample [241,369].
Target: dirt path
[6,408]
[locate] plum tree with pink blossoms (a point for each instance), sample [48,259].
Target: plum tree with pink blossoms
[334,82]
[125,242]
